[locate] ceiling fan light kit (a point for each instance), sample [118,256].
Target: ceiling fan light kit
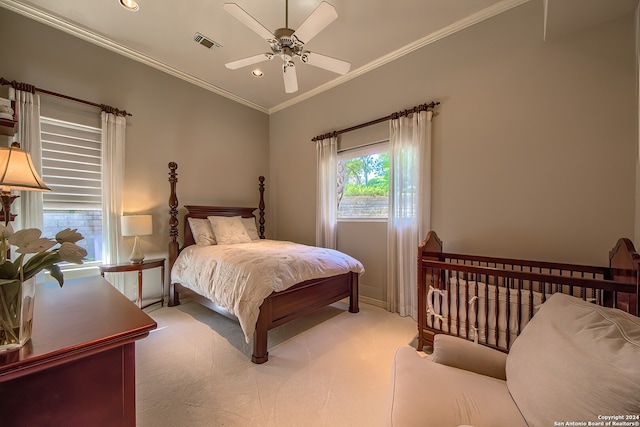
[289,44]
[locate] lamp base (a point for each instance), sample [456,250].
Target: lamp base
[7,199]
[137,256]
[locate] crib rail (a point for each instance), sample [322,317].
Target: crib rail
[561,269]
[490,300]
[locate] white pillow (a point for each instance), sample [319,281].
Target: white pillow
[575,361]
[229,230]
[202,232]
[250,226]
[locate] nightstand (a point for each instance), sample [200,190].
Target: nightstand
[144,265]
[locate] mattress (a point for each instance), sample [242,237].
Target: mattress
[239,277]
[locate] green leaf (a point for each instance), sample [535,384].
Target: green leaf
[11,289]
[39,262]
[8,270]
[18,262]
[8,281]
[56,273]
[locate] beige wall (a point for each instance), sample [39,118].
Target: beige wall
[221,147]
[534,146]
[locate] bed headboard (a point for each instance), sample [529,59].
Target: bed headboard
[204,212]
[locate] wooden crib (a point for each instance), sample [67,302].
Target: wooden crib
[489,300]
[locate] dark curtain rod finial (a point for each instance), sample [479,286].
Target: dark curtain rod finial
[30,88]
[18,85]
[113,110]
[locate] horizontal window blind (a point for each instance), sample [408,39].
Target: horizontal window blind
[71,165]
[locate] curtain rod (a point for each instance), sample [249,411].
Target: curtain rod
[416,109]
[30,88]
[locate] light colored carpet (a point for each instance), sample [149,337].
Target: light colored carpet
[331,368]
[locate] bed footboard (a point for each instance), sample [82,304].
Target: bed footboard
[300,300]
[490,300]
[282,307]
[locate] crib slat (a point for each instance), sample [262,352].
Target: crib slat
[496,309]
[466,305]
[519,308]
[448,287]
[442,277]
[508,314]
[458,317]
[486,310]
[530,300]
[475,320]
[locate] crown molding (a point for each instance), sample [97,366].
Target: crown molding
[91,37]
[470,20]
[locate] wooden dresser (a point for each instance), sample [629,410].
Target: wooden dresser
[78,369]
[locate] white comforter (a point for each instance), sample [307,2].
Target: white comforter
[239,277]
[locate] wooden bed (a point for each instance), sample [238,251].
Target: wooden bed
[489,300]
[280,307]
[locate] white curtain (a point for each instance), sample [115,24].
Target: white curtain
[326,196]
[113,141]
[29,204]
[409,207]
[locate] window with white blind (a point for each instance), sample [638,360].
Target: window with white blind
[71,167]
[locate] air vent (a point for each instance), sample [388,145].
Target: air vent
[205,41]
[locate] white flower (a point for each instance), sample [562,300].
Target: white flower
[29,241]
[23,238]
[68,235]
[38,253]
[71,252]
[40,245]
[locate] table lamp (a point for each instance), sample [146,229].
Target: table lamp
[17,173]
[136,225]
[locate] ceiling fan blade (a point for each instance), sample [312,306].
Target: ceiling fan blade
[290,78]
[248,61]
[326,62]
[324,15]
[248,20]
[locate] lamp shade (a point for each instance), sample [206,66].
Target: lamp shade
[136,225]
[17,171]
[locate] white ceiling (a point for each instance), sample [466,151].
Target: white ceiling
[367,33]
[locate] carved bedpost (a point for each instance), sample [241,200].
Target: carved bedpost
[261,206]
[173,225]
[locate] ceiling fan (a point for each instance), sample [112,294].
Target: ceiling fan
[289,44]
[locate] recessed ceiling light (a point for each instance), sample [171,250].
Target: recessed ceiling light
[257,72]
[130,5]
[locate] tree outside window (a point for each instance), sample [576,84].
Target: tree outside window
[363,185]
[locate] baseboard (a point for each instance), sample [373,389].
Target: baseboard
[373,301]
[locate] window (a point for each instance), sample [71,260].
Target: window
[363,182]
[71,167]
